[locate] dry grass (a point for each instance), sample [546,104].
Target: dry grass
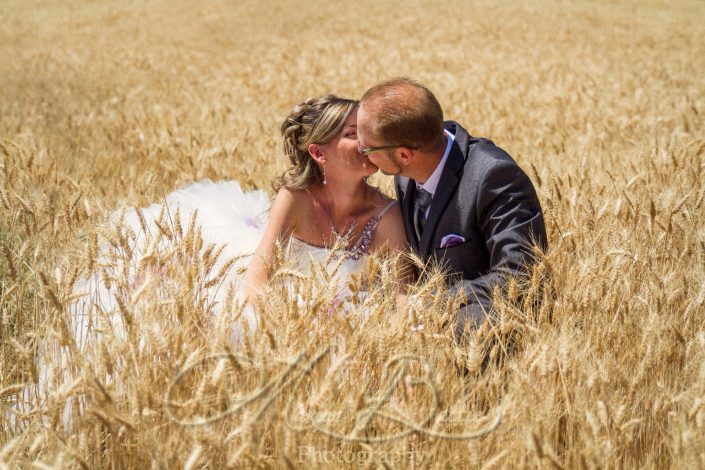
[119,103]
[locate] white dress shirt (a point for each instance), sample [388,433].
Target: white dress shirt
[431,183]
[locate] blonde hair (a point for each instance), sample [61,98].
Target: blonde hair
[315,121]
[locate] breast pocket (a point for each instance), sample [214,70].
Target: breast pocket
[455,259]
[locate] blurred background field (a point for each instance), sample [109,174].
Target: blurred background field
[112,103]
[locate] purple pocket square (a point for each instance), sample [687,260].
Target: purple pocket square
[451,240]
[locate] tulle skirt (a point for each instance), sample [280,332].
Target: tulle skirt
[222,222]
[210,228]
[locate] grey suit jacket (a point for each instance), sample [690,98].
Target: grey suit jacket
[484,197]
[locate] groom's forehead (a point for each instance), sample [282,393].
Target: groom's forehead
[364,120]
[364,111]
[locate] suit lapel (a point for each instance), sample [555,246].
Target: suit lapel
[445,190]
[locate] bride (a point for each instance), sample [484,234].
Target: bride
[323,203]
[324,210]
[324,195]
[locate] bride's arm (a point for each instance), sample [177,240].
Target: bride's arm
[390,238]
[279,226]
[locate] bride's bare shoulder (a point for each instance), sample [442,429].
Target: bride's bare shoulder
[390,230]
[293,196]
[295,202]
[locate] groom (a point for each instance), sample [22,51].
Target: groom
[466,203]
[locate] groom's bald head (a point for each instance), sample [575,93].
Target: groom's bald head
[401,111]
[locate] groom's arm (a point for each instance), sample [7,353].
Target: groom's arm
[510,218]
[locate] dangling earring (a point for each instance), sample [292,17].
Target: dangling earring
[325,181]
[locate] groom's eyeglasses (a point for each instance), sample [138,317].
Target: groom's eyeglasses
[369,150]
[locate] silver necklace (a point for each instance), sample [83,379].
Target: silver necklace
[336,234]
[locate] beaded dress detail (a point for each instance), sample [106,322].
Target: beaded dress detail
[298,248]
[362,247]
[340,266]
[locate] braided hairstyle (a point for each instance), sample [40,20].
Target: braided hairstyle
[315,121]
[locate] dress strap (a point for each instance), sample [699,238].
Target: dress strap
[384,210]
[363,243]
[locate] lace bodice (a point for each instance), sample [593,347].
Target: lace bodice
[305,254]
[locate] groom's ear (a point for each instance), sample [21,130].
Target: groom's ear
[315,151]
[405,155]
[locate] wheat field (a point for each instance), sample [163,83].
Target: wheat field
[110,104]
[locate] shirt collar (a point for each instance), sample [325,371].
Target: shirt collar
[431,183]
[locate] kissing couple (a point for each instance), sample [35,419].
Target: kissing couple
[461,202]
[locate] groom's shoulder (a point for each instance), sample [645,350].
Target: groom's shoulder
[479,151]
[489,152]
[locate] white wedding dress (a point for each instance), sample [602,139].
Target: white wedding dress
[226,217]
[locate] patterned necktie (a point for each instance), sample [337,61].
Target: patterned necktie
[423,200]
